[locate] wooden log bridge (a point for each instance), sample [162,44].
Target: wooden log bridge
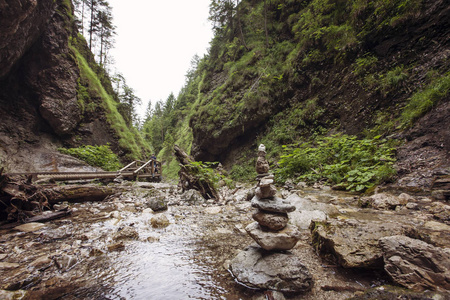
[150,170]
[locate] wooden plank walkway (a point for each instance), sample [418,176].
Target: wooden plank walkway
[150,170]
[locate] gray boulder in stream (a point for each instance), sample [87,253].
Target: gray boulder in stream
[157,203]
[284,272]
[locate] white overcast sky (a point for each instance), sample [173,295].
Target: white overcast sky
[156,41]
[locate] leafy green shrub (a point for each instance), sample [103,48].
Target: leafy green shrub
[99,156]
[357,164]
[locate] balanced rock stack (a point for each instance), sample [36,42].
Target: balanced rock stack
[271,230]
[268,266]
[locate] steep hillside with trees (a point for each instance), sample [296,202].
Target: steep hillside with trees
[300,72]
[54,93]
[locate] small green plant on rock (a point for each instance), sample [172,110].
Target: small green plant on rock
[424,100]
[99,156]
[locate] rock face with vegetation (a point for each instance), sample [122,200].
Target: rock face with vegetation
[322,74]
[52,93]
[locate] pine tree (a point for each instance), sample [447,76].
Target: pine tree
[221,15]
[106,31]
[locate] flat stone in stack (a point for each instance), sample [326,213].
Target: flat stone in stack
[284,239]
[273,221]
[272,205]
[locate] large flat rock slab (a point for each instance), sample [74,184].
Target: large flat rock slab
[283,272]
[354,243]
[415,264]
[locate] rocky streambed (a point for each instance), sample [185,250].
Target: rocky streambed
[151,242]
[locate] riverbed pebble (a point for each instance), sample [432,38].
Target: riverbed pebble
[8,265]
[159,221]
[30,227]
[214,210]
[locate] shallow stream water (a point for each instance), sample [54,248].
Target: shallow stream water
[184,260]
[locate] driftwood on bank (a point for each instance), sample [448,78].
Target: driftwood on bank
[189,178]
[21,201]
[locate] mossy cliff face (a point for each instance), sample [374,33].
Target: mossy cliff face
[339,66]
[40,88]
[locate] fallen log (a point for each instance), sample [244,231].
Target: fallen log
[39,218]
[190,179]
[49,216]
[21,200]
[75,193]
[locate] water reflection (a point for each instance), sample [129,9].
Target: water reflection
[167,269]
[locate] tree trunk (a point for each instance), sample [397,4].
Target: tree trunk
[82,17]
[91,25]
[76,193]
[240,25]
[190,180]
[19,199]
[101,47]
[265,24]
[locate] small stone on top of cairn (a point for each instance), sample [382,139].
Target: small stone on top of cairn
[262,166]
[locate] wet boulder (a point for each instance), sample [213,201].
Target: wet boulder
[192,197]
[415,264]
[157,203]
[127,233]
[159,221]
[284,272]
[383,201]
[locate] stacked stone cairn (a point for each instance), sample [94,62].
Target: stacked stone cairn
[271,230]
[269,265]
